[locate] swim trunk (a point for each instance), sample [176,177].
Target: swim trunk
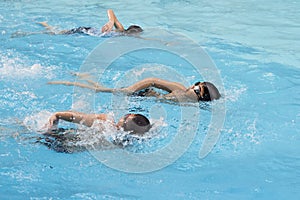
[83,30]
[92,31]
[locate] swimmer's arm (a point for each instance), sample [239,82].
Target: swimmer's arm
[112,21]
[154,82]
[143,84]
[75,117]
[117,24]
[110,24]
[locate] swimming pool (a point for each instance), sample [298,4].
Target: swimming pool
[255,46]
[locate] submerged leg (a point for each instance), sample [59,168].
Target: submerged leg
[68,83]
[24,34]
[97,87]
[51,29]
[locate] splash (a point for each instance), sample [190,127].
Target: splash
[16,68]
[37,122]
[233,94]
[105,135]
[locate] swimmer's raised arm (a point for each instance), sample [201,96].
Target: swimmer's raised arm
[154,82]
[117,24]
[75,117]
[112,22]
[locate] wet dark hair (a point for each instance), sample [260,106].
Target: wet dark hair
[133,29]
[210,92]
[136,123]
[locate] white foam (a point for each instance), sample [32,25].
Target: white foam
[17,68]
[233,94]
[270,76]
[37,122]
[149,68]
[103,133]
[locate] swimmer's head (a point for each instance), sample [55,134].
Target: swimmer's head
[133,29]
[135,123]
[206,91]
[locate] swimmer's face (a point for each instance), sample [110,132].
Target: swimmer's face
[191,94]
[134,123]
[200,91]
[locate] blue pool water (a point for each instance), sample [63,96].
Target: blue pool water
[255,46]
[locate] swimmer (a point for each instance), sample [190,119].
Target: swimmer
[133,123]
[200,91]
[66,141]
[112,23]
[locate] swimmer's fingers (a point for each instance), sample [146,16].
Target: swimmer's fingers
[86,77]
[107,27]
[53,120]
[81,75]
[49,128]
[52,123]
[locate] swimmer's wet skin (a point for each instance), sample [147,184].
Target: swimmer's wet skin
[135,124]
[206,91]
[112,28]
[113,22]
[200,91]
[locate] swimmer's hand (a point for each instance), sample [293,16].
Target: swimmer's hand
[53,122]
[107,27]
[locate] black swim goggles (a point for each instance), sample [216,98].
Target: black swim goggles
[197,89]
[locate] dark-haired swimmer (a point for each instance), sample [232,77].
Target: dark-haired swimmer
[133,123]
[107,29]
[68,141]
[113,22]
[200,91]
